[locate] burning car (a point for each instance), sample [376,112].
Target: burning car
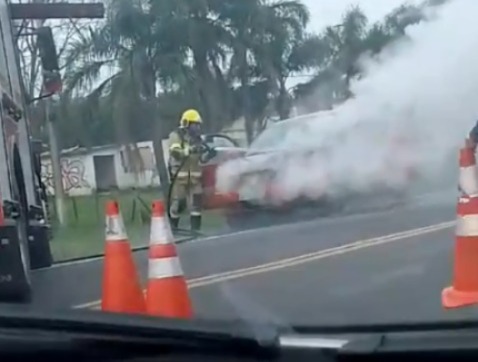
[309,165]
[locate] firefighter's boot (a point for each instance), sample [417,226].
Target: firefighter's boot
[195,222]
[174,221]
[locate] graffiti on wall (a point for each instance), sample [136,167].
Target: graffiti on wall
[73,174]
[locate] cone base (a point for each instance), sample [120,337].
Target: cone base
[121,291]
[169,298]
[452,298]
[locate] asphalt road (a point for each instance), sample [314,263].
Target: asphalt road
[378,279]
[399,281]
[386,280]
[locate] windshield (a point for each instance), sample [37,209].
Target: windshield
[294,133]
[353,224]
[272,137]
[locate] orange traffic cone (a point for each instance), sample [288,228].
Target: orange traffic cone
[468,177]
[121,291]
[464,290]
[167,294]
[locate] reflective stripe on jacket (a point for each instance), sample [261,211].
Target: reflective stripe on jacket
[180,142]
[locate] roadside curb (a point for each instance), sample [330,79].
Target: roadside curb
[181,240]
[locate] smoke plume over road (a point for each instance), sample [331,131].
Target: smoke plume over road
[412,109]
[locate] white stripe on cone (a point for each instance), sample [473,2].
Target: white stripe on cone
[468,180]
[467,225]
[160,231]
[115,229]
[164,268]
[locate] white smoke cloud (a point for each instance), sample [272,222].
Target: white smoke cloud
[425,90]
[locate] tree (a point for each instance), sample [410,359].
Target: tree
[64,32]
[195,50]
[125,43]
[227,58]
[268,44]
[288,50]
[347,42]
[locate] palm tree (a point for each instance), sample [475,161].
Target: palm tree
[344,44]
[193,27]
[128,44]
[286,48]
[166,53]
[268,43]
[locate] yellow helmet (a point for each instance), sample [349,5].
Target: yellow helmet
[190,116]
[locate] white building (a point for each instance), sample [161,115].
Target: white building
[86,171]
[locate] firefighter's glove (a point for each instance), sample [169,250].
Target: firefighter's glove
[197,149]
[209,154]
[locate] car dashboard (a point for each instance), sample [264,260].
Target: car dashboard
[449,346]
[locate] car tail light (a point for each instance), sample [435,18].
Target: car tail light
[218,201]
[209,176]
[213,199]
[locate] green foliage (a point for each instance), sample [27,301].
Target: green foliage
[130,79]
[345,44]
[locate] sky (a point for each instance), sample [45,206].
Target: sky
[329,12]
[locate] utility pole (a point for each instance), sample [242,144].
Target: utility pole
[55,157]
[51,74]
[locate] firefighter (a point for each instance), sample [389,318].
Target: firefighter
[185,148]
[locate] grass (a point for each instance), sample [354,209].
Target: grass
[83,234]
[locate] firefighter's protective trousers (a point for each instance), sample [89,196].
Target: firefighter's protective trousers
[187,187]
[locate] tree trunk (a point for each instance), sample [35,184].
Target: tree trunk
[246,103]
[160,134]
[161,167]
[208,92]
[55,158]
[249,126]
[283,102]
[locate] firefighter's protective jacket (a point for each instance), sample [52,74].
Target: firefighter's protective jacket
[181,148]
